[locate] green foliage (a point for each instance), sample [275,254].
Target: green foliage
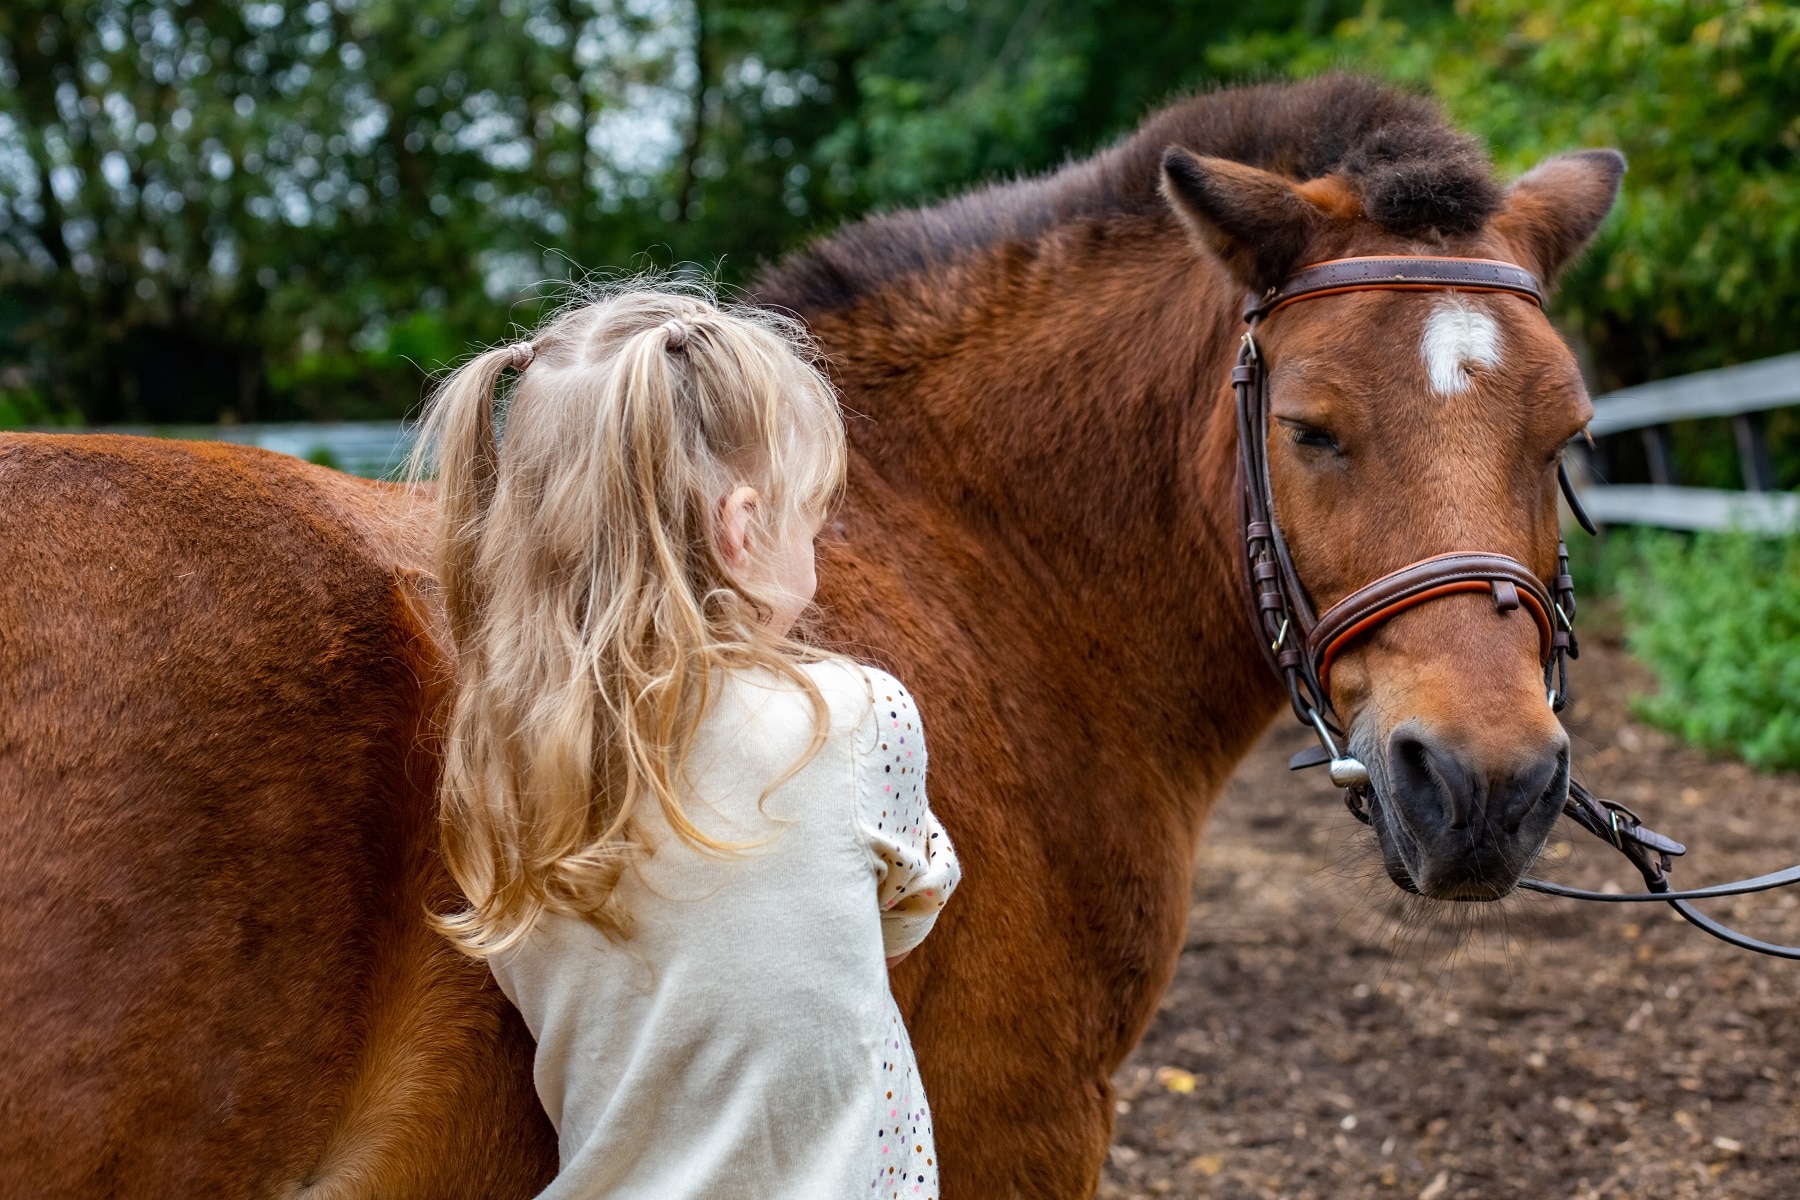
[1717,618]
[814,111]
[232,202]
[272,209]
[24,405]
[1598,563]
[296,208]
[1700,264]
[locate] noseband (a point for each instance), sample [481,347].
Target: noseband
[1301,646]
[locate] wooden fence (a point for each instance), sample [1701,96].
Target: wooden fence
[1743,394]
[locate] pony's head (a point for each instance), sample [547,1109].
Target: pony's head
[1405,424]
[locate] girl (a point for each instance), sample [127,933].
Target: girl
[687,840]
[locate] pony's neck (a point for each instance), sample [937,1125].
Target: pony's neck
[1063,407]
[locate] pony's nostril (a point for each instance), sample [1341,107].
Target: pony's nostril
[1459,819]
[1546,782]
[1420,780]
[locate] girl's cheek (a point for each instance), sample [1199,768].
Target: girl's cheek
[811,575]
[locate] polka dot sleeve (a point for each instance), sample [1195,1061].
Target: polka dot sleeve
[915,867]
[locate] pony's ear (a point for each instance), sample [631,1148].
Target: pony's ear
[1552,211]
[1255,221]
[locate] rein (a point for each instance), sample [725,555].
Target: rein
[1301,646]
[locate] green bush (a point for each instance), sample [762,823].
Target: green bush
[1716,617]
[1597,563]
[321,456]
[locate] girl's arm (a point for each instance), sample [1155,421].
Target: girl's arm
[916,868]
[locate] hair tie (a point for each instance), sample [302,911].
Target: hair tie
[521,355]
[678,335]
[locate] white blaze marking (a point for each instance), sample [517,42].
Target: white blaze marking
[1455,337]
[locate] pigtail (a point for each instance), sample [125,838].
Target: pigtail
[650,405]
[459,439]
[648,394]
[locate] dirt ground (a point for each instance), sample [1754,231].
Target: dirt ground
[1327,1036]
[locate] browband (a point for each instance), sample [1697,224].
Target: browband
[1396,275]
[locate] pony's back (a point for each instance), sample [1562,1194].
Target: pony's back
[216,773]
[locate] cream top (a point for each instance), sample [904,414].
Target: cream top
[743,1042]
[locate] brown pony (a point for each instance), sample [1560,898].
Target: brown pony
[219,670]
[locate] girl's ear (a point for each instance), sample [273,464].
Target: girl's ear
[736,512]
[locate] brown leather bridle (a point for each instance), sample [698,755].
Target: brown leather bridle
[1301,646]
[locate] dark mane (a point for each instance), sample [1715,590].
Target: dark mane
[1413,171]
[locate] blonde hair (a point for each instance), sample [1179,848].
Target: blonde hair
[589,606]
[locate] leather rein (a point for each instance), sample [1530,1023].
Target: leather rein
[1301,646]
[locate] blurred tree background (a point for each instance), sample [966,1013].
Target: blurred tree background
[277,211]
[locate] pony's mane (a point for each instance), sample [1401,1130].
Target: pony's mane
[1412,170]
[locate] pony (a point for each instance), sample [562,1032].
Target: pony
[221,669]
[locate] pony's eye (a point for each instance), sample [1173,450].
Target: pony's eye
[1312,437]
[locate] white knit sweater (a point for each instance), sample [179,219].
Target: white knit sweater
[743,1042]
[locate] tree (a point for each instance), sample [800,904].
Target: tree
[266,210]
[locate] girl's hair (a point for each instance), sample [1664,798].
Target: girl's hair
[588,604]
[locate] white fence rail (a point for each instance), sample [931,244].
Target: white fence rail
[1727,392]
[1690,508]
[1742,393]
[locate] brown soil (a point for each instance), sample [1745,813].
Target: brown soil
[1327,1036]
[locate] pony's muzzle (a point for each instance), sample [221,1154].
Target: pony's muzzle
[1473,824]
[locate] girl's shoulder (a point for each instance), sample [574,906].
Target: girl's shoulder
[760,726]
[863,697]
[853,684]
[854,694]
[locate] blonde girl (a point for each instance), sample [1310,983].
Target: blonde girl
[687,841]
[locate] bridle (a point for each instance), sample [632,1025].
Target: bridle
[1301,646]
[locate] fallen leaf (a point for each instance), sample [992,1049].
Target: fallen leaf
[1177,1080]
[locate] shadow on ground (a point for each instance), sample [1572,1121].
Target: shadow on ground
[1328,1037]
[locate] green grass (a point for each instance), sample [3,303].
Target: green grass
[1716,618]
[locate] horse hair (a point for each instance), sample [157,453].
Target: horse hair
[1413,172]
